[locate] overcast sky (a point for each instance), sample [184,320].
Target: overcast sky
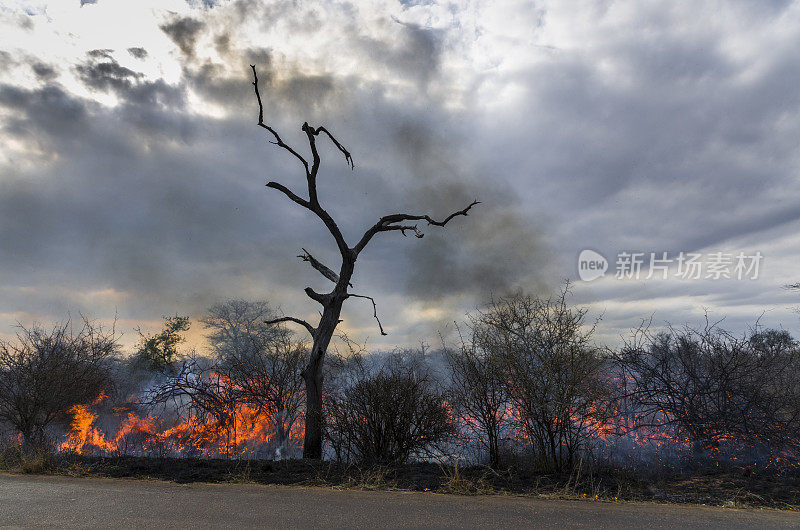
[132,173]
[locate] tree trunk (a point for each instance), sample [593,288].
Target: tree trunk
[313,377]
[312,442]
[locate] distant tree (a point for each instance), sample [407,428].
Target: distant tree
[43,373]
[477,390]
[232,327]
[263,361]
[713,387]
[331,302]
[552,372]
[160,350]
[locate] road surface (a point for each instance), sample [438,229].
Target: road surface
[90,502]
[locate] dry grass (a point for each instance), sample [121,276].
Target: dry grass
[590,482]
[34,461]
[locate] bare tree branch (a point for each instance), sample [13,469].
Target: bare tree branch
[311,170]
[314,262]
[300,321]
[289,193]
[374,310]
[278,141]
[325,271]
[389,222]
[347,157]
[317,297]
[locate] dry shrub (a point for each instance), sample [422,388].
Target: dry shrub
[389,413]
[715,388]
[552,373]
[45,372]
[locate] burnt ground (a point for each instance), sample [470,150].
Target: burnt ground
[731,488]
[57,501]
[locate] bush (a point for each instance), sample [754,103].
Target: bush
[478,393]
[45,372]
[715,388]
[158,352]
[553,374]
[386,414]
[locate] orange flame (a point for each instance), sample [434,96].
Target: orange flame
[247,432]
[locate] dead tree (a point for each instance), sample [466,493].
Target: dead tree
[332,301]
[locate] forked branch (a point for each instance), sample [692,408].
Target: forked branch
[391,222]
[345,152]
[311,169]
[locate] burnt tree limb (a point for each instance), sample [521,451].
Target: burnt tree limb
[319,266]
[311,329]
[374,309]
[390,222]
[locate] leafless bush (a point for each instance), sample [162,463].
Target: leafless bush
[552,372]
[388,414]
[198,391]
[45,372]
[263,362]
[477,391]
[713,387]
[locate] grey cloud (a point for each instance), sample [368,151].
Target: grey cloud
[46,113]
[222,43]
[682,137]
[43,71]
[138,52]
[675,149]
[183,32]
[416,54]
[493,252]
[103,53]
[286,91]
[209,80]
[107,73]
[6,60]
[25,22]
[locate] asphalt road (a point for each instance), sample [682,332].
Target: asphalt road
[87,502]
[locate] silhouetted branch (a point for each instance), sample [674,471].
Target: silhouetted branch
[389,222]
[325,271]
[314,262]
[278,141]
[289,193]
[374,310]
[341,148]
[300,321]
[317,297]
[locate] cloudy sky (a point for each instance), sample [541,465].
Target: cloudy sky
[132,173]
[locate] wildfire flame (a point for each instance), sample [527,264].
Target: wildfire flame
[247,433]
